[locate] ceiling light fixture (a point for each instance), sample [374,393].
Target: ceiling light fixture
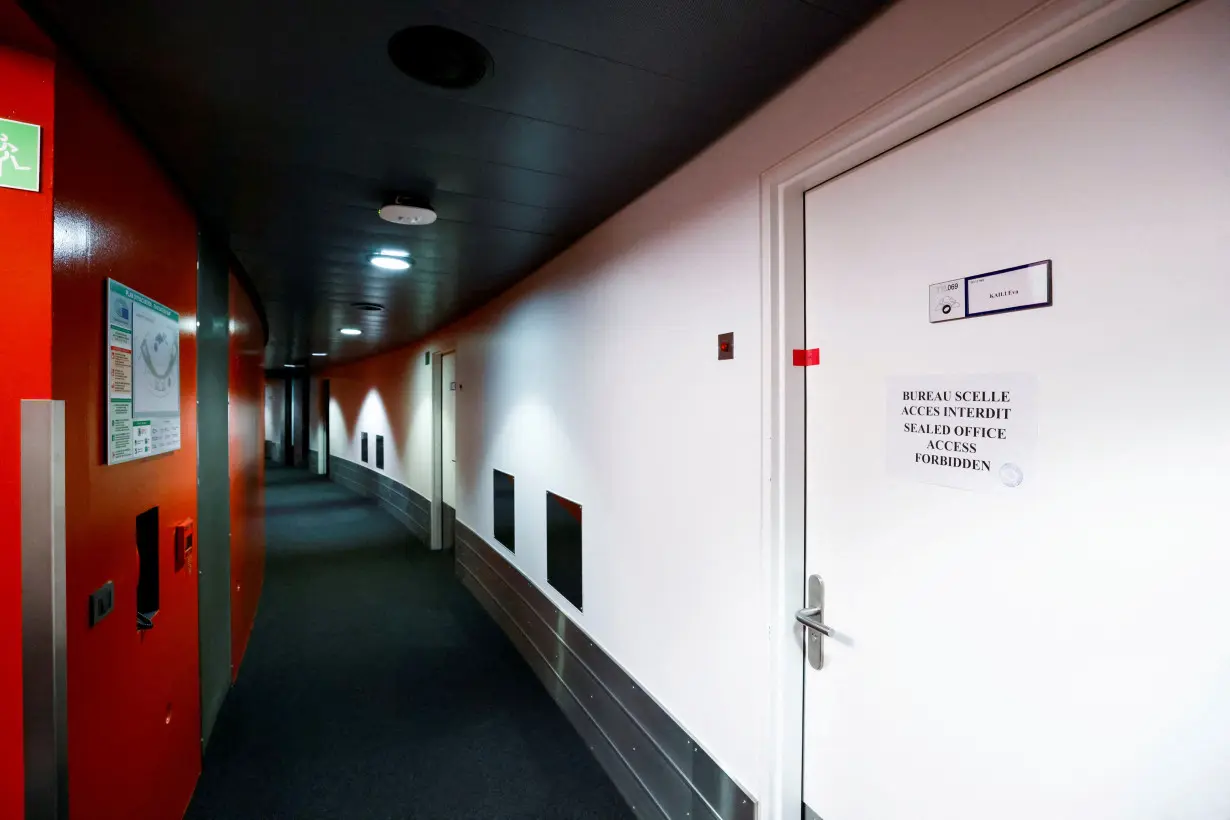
[290,365]
[350,331]
[400,212]
[390,262]
[320,354]
[370,307]
[400,254]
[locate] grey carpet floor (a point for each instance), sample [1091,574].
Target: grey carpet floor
[374,686]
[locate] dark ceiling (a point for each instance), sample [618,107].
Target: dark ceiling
[288,125]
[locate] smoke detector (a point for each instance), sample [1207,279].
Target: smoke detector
[401,212]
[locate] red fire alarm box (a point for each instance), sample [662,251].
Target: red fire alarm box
[185,535]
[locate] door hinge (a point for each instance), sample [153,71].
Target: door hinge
[806,358]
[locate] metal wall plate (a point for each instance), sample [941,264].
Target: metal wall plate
[44,608]
[657,766]
[815,641]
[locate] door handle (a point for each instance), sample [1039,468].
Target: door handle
[812,618]
[808,618]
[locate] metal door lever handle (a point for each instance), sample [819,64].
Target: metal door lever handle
[807,617]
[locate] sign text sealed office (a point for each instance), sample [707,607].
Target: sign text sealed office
[970,432]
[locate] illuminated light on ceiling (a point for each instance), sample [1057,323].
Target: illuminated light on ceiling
[350,331]
[390,262]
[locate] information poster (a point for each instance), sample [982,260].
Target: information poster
[142,376]
[970,432]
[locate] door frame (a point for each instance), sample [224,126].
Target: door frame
[437,443]
[1044,38]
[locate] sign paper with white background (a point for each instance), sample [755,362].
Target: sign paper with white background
[975,432]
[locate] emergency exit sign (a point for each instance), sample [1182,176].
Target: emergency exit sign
[19,155]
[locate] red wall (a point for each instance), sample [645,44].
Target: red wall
[133,698]
[25,271]
[247,460]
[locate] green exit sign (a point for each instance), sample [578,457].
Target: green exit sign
[19,155]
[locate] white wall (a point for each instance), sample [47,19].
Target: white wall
[392,396]
[275,410]
[597,378]
[316,428]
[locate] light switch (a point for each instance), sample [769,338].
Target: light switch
[102,601]
[726,345]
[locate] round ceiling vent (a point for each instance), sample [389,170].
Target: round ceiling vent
[368,306]
[440,56]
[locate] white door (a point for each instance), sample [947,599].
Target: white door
[1058,649]
[448,433]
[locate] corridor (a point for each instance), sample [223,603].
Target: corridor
[375,686]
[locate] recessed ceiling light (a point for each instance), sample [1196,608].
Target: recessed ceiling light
[290,365]
[350,331]
[394,252]
[320,354]
[390,262]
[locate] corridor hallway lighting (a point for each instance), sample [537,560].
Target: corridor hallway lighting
[320,354]
[390,262]
[351,331]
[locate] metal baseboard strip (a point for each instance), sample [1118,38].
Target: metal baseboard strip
[410,509]
[682,778]
[615,766]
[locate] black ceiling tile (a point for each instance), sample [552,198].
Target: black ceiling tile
[289,127]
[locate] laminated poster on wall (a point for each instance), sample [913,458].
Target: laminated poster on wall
[142,349]
[976,432]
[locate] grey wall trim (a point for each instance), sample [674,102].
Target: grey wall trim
[212,551]
[401,502]
[809,814]
[660,770]
[44,643]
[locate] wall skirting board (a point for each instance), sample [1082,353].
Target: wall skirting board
[401,502]
[658,768]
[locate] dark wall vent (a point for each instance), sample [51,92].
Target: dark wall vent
[440,56]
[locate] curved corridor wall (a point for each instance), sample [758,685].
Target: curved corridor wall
[134,723]
[134,697]
[597,378]
[28,70]
[247,467]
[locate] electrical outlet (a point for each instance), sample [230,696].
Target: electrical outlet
[102,601]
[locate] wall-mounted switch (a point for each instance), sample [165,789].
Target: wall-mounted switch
[102,601]
[726,346]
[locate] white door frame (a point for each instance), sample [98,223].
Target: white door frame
[437,445]
[1049,35]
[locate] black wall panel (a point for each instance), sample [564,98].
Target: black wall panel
[503,498]
[564,553]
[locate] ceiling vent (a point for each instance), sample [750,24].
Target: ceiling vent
[440,56]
